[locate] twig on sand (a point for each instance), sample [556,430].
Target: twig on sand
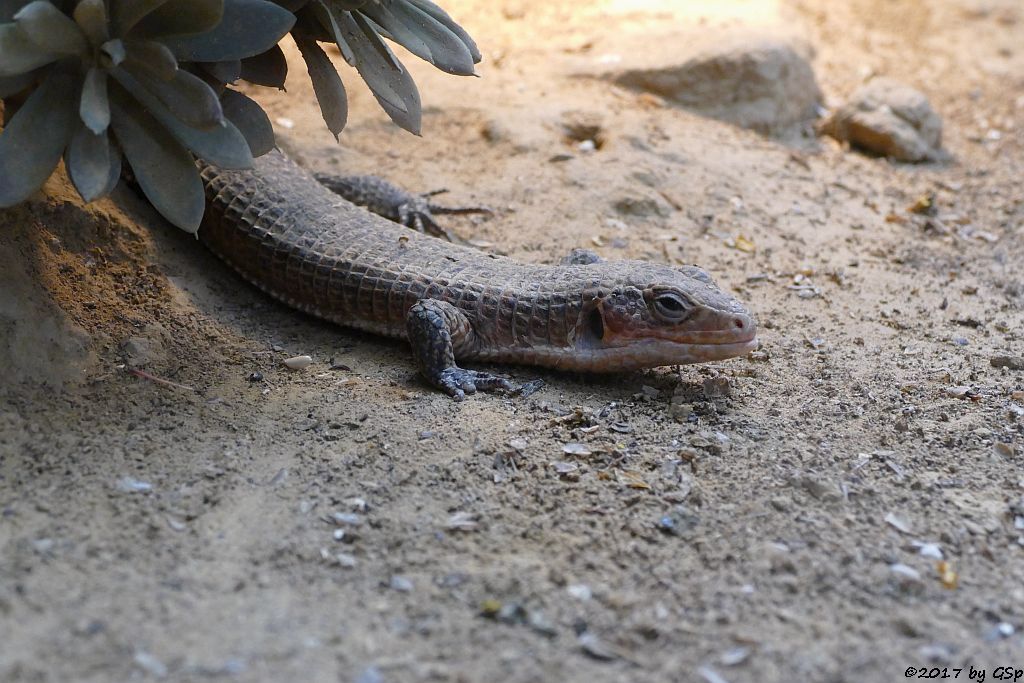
[159,380]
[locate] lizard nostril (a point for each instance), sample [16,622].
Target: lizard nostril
[738,322]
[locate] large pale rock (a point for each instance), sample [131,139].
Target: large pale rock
[889,118]
[761,82]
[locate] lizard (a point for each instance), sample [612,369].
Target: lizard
[291,236]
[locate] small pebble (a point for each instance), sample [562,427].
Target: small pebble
[898,523]
[1005,449]
[298,362]
[736,655]
[132,485]
[1011,362]
[401,584]
[349,518]
[580,591]
[576,449]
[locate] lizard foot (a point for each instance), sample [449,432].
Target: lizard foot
[396,204]
[457,382]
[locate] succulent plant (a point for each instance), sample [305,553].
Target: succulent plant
[358,27]
[95,80]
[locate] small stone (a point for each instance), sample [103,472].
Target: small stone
[889,118]
[297,362]
[1011,362]
[717,387]
[1004,449]
[640,207]
[132,485]
[906,578]
[575,448]
[756,81]
[150,664]
[349,518]
[736,655]
[579,591]
[400,584]
[898,523]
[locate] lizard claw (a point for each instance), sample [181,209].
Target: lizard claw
[457,382]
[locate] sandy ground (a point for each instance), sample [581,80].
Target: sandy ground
[354,525]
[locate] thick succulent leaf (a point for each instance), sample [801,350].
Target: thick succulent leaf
[423,36]
[152,57]
[113,53]
[330,92]
[268,68]
[187,97]
[390,83]
[8,8]
[125,14]
[19,54]
[249,28]
[222,145]
[91,17]
[9,85]
[225,72]
[164,169]
[181,18]
[114,172]
[51,29]
[94,107]
[34,139]
[442,17]
[250,119]
[88,160]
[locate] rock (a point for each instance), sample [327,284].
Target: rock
[641,207]
[889,118]
[760,82]
[1011,362]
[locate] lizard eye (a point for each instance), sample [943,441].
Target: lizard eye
[671,307]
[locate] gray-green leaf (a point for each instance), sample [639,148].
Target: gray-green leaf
[423,35]
[91,17]
[180,18]
[221,145]
[94,107]
[9,85]
[186,96]
[443,17]
[88,163]
[165,171]
[34,139]
[268,68]
[125,14]
[249,28]
[18,54]
[225,72]
[153,57]
[51,29]
[330,91]
[250,119]
[390,83]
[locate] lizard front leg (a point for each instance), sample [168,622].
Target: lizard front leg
[437,331]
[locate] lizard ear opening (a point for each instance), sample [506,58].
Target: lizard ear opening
[595,323]
[593,329]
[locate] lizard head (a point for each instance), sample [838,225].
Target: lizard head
[658,315]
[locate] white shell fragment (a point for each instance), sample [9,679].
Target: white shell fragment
[298,362]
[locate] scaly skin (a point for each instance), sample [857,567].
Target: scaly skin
[309,248]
